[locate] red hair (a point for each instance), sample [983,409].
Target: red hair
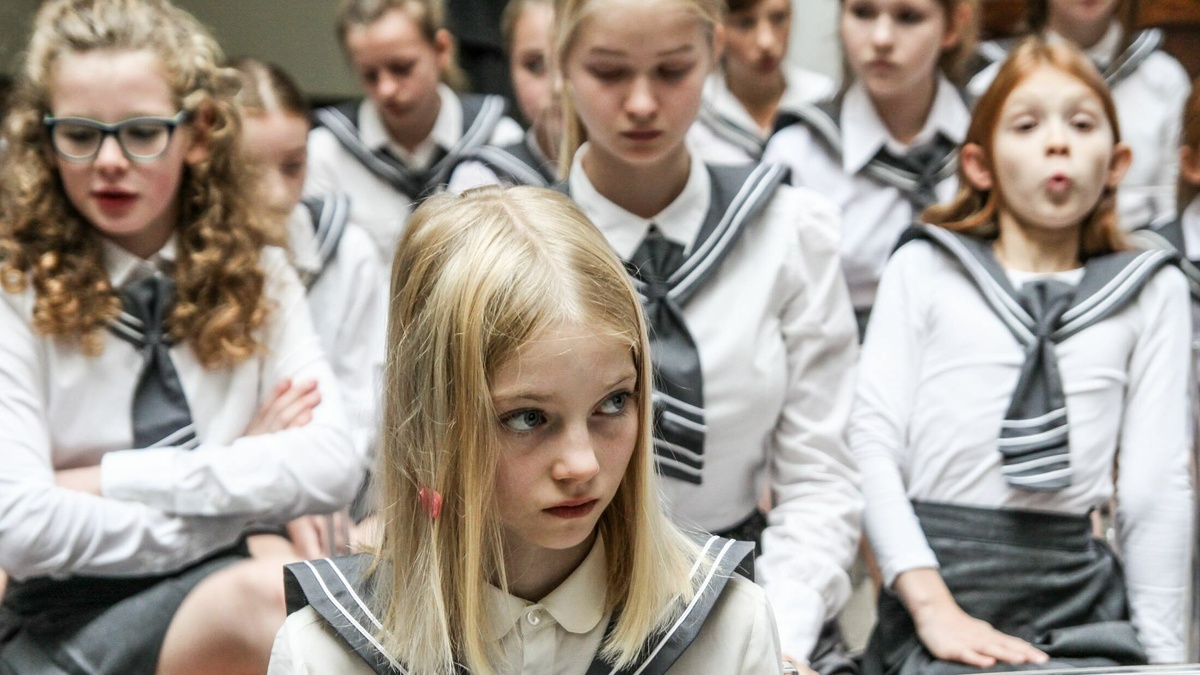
[1189,137]
[974,210]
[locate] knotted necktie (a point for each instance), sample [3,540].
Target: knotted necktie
[161,416]
[1033,435]
[921,170]
[679,391]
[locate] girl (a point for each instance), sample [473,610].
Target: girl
[398,145]
[886,147]
[1136,71]
[522,531]
[752,333]
[1016,358]
[742,101]
[335,259]
[141,325]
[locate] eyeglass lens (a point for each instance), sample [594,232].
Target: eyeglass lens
[142,139]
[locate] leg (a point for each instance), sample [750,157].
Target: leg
[228,622]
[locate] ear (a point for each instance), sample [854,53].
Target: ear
[443,46]
[200,128]
[975,166]
[718,43]
[1189,164]
[1122,157]
[963,14]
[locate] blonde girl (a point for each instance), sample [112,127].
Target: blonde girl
[755,82]
[142,324]
[752,336]
[398,144]
[1017,356]
[522,531]
[885,147]
[1137,71]
[334,258]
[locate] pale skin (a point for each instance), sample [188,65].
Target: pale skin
[757,40]
[1049,113]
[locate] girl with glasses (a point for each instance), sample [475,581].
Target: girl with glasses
[160,382]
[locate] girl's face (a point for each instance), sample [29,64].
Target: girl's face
[893,46]
[133,203]
[757,40]
[1053,153]
[530,61]
[1080,13]
[277,141]
[635,75]
[397,67]
[568,423]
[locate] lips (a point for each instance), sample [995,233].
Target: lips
[642,135]
[113,199]
[1058,184]
[576,508]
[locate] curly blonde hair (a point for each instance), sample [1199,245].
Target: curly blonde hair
[46,242]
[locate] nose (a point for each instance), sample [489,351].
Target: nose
[576,459]
[386,85]
[641,103]
[883,32]
[1057,142]
[110,157]
[764,36]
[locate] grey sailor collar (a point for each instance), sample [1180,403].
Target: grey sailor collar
[341,591]
[824,121]
[731,132]
[1125,64]
[515,164]
[481,114]
[1167,235]
[329,218]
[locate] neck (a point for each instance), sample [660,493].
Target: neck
[1034,249]
[760,95]
[416,126]
[642,190]
[533,572]
[905,114]
[1084,35]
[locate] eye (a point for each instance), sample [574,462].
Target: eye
[401,69]
[742,23]
[1024,123]
[675,72]
[523,420]
[1083,122]
[292,169]
[778,18]
[608,74]
[535,64]
[615,404]
[910,16]
[863,11]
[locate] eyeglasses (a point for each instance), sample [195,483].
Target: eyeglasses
[142,139]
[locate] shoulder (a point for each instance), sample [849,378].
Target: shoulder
[322,145]
[739,635]
[1161,71]
[307,644]
[814,218]
[507,132]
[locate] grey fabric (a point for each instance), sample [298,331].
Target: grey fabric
[1039,576]
[330,215]
[161,415]
[917,172]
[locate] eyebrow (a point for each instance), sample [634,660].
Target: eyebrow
[608,51]
[535,397]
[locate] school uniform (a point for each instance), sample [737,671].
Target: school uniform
[96,580]
[752,340]
[1149,88]
[843,151]
[725,133]
[339,267]
[350,152]
[732,629]
[983,452]
[521,163]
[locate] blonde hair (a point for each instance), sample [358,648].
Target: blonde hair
[568,16]
[426,14]
[975,211]
[44,240]
[475,278]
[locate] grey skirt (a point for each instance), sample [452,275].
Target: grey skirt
[1038,576]
[94,625]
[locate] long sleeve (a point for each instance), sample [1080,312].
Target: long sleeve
[814,526]
[45,529]
[888,377]
[1154,492]
[278,476]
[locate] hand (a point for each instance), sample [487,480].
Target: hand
[319,536]
[800,668]
[85,479]
[951,634]
[289,406]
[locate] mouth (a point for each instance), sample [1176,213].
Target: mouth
[110,198]
[768,64]
[642,135]
[575,508]
[1058,184]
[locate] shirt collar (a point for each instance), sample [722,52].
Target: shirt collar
[680,221]
[863,132]
[302,240]
[1103,52]
[446,133]
[578,604]
[803,87]
[124,267]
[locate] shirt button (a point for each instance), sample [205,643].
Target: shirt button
[534,617]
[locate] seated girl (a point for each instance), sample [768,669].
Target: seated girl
[522,527]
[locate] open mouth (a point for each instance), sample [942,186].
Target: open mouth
[571,511]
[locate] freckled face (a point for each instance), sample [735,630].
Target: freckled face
[568,423]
